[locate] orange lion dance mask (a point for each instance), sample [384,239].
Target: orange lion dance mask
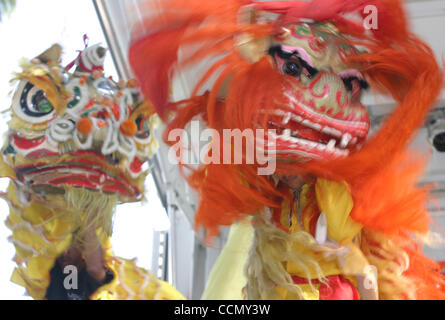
[300,68]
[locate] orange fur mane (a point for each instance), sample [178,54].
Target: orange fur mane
[381,176]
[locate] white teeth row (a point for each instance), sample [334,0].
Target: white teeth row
[345,140]
[330,147]
[287,118]
[288,115]
[332,132]
[287,133]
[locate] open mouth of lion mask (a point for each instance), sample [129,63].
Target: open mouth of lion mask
[322,116]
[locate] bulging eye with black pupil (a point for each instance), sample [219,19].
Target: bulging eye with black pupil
[41,103]
[292,68]
[34,102]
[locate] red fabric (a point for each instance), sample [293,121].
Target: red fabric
[335,288]
[338,288]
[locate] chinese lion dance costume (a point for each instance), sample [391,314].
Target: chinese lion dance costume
[341,203]
[75,148]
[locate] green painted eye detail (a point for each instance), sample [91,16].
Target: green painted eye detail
[319,24]
[303,29]
[90,110]
[45,106]
[34,103]
[76,98]
[31,104]
[322,35]
[9,150]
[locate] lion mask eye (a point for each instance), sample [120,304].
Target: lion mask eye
[292,63]
[32,105]
[292,68]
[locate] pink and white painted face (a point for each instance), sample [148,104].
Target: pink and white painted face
[78,129]
[323,117]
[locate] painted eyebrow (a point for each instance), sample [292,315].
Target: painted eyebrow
[303,54]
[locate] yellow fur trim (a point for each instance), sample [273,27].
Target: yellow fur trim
[278,255]
[391,261]
[274,248]
[41,234]
[134,283]
[5,170]
[90,209]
